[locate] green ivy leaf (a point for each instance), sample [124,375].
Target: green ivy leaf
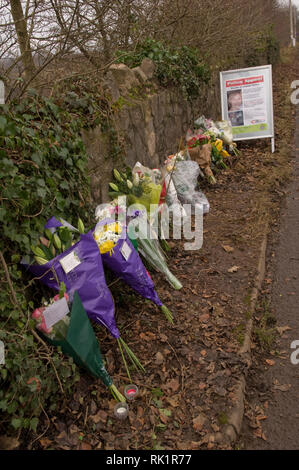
[16,423]
[33,424]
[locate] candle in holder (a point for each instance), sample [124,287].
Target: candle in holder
[131,391]
[121,410]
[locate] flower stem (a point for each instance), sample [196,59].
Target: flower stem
[116,393]
[167,313]
[132,356]
[123,357]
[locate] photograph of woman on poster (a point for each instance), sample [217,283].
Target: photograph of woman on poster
[234,100]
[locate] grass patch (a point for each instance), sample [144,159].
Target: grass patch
[265,332]
[239,332]
[222,418]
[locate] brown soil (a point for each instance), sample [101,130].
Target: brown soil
[272,392]
[192,367]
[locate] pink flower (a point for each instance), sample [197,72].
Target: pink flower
[57,297]
[201,137]
[43,327]
[38,312]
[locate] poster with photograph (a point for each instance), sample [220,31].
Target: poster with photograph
[247,102]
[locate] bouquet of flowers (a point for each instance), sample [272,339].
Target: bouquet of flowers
[138,188]
[143,238]
[124,261]
[69,327]
[80,268]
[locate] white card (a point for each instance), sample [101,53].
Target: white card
[70,262]
[56,312]
[126,250]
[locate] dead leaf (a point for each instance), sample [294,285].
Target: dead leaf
[85,446]
[261,417]
[148,336]
[233,269]
[270,362]
[282,388]
[45,442]
[100,416]
[174,401]
[163,417]
[159,358]
[173,384]
[73,429]
[282,329]
[227,248]
[215,427]
[198,422]
[204,318]
[259,433]
[9,443]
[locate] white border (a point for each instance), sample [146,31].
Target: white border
[262,67]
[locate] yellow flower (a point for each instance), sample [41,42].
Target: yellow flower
[224,153]
[114,227]
[219,145]
[106,246]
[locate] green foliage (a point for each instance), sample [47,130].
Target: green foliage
[88,103]
[42,169]
[43,172]
[181,66]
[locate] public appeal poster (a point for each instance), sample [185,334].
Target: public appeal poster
[247,102]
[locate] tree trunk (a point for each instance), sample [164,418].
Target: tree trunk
[23,38]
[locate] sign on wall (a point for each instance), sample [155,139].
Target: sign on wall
[247,102]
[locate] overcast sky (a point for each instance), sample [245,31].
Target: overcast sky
[295,2]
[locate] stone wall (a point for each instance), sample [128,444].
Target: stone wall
[149,120]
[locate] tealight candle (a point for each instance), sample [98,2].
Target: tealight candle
[121,410]
[131,391]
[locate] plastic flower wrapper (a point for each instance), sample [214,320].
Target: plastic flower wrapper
[72,331]
[149,247]
[150,196]
[227,136]
[126,264]
[59,329]
[80,268]
[185,181]
[207,125]
[137,187]
[142,171]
